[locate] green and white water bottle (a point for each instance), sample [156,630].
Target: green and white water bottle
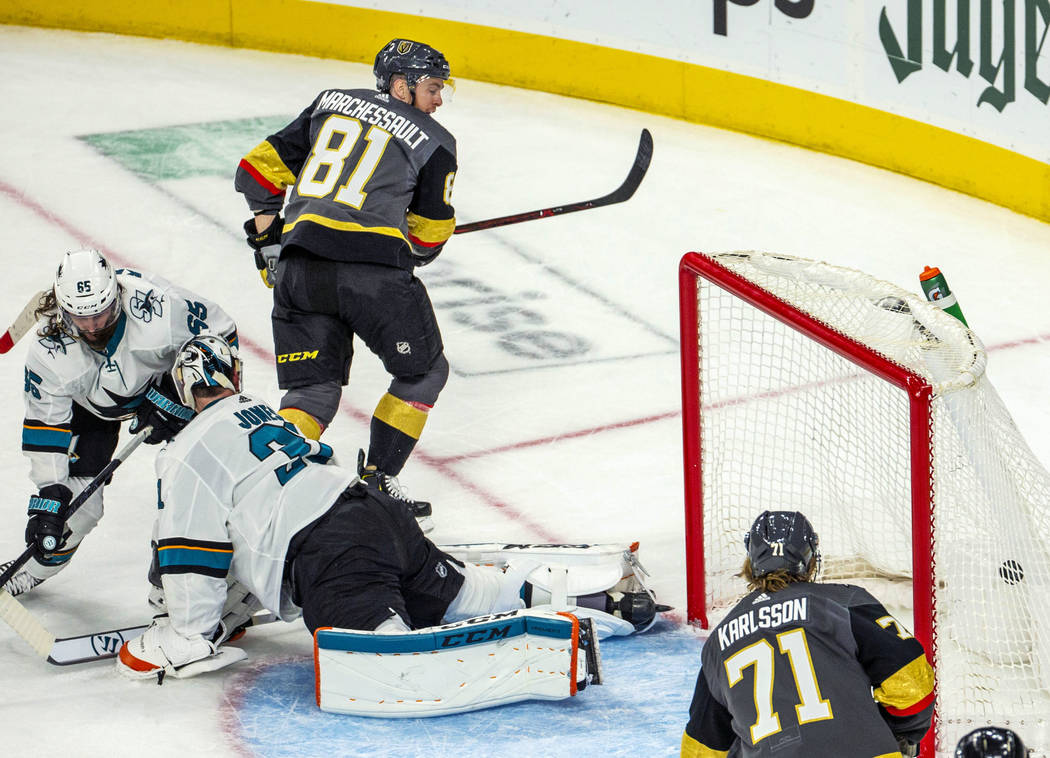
[937,292]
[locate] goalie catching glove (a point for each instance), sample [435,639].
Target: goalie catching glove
[267,247]
[163,651]
[160,411]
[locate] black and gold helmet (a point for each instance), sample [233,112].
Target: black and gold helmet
[413,60]
[781,540]
[991,742]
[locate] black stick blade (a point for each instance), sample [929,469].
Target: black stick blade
[642,158]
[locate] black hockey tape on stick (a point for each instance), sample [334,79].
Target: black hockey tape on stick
[624,192]
[22,324]
[81,498]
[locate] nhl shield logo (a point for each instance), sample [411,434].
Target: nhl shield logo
[441,570]
[404,348]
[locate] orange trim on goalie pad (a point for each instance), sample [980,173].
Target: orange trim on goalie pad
[575,649]
[133,663]
[317,666]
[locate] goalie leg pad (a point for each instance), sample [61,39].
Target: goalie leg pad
[479,663]
[605,582]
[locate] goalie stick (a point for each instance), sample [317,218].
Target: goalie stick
[84,648]
[101,646]
[22,324]
[619,195]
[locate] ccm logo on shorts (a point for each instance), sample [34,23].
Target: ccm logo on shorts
[292,357]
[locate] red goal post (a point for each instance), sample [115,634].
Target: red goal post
[812,387]
[694,265]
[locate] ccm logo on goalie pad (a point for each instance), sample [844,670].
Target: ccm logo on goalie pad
[529,654]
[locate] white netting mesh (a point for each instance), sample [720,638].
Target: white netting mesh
[786,423]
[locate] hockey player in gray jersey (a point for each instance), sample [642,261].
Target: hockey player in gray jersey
[370,174]
[799,669]
[244,497]
[107,342]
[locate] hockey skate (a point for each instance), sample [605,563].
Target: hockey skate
[389,485]
[21,582]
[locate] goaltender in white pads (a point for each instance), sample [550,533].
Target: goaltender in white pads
[527,654]
[304,536]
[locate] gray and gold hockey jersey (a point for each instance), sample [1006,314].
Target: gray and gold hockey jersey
[811,670]
[157,319]
[235,486]
[371,179]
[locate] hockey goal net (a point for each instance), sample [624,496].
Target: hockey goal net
[817,388]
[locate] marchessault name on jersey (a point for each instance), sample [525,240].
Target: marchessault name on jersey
[766,617]
[372,113]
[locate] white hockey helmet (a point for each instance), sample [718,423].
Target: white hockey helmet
[206,360]
[87,291]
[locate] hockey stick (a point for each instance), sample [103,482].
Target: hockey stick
[79,500]
[619,195]
[23,323]
[101,646]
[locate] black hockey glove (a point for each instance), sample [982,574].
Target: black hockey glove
[48,511]
[267,247]
[159,410]
[421,256]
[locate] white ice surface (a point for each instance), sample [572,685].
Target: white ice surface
[516,449]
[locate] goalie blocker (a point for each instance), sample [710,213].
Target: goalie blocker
[478,663]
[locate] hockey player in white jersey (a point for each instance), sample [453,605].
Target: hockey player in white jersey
[103,354]
[247,500]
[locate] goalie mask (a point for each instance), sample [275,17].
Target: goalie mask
[88,296]
[413,60]
[991,742]
[781,540]
[206,360]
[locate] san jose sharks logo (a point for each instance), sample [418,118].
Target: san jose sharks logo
[124,405]
[56,344]
[145,305]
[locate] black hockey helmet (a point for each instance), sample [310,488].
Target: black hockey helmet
[413,60]
[991,742]
[781,540]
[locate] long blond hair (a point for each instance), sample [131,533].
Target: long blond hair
[777,580]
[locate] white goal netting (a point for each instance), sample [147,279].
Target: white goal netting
[787,421]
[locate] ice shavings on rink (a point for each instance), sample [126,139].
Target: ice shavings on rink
[640,710]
